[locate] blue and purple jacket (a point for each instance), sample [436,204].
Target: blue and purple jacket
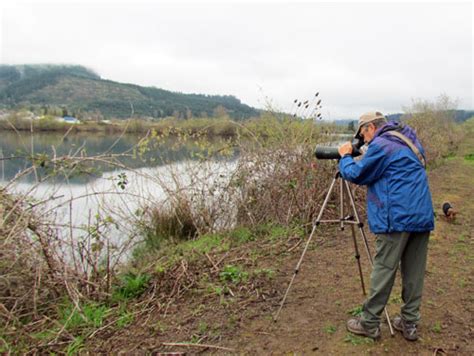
[398,196]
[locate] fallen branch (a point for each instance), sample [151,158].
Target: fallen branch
[212,262]
[219,262]
[206,346]
[295,246]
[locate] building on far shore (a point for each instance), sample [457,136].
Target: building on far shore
[70,120]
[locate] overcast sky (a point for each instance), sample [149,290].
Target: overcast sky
[359,56]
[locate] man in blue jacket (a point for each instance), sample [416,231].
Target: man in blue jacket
[400,213]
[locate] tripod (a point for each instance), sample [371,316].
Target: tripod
[352,220]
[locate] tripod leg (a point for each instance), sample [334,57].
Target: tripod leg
[359,224]
[357,256]
[294,274]
[356,247]
[341,203]
[315,225]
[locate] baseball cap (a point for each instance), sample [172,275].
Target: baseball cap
[368,117]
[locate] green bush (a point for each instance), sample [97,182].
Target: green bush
[202,244]
[233,274]
[131,286]
[91,315]
[469,157]
[242,234]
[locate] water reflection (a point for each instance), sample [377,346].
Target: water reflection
[17,150]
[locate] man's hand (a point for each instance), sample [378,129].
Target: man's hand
[345,148]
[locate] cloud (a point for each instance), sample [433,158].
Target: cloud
[359,55]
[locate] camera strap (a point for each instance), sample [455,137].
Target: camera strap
[409,144]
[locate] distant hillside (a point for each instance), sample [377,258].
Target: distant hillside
[79,90]
[463,115]
[458,115]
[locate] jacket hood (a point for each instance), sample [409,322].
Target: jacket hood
[397,126]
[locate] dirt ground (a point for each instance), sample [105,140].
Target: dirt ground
[324,294]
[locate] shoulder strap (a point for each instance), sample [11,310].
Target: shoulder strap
[409,144]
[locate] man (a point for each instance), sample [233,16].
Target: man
[400,213]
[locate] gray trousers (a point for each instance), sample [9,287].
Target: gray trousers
[409,250]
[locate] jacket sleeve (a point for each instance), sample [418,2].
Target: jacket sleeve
[367,170]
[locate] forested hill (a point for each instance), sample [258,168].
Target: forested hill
[82,92]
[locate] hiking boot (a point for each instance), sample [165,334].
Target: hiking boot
[355,327]
[407,329]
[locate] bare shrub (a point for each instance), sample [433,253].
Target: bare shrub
[435,126]
[44,255]
[29,268]
[277,177]
[282,186]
